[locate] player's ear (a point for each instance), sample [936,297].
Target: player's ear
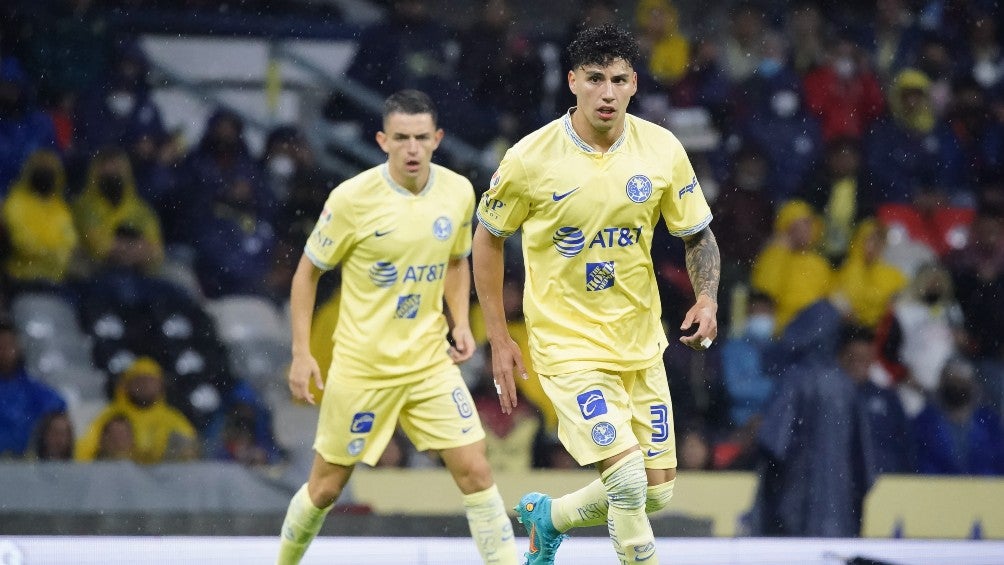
[381,139]
[438,136]
[571,81]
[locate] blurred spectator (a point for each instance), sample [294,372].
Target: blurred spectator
[155,158]
[742,357]
[221,159]
[865,280]
[705,83]
[891,431]
[742,44]
[553,454]
[118,442]
[805,33]
[936,61]
[234,245]
[956,434]
[664,47]
[978,272]
[844,93]
[695,452]
[54,438]
[42,237]
[789,270]
[395,455]
[110,202]
[24,401]
[984,58]
[161,433]
[294,178]
[23,128]
[970,145]
[892,37]
[838,193]
[242,431]
[900,157]
[741,206]
[771,115]
[818,460]
[921,334]
[123,104]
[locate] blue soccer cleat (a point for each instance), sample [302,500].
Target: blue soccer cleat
[534,512]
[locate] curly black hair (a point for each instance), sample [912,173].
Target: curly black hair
[601,45]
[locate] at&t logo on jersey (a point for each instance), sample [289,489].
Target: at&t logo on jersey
[689,188]
[599,276]
[592,403]
[407,305]
[383,274]
[604,433]
[568,241]
[442,228]
[362,423]
[639,188]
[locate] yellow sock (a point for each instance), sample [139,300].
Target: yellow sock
[584,507]
[490,526]
[303,521]
[630,531]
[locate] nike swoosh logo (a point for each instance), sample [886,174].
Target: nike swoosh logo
[654,453]
[379,233]
[467,429]
[558,197]
[533,538]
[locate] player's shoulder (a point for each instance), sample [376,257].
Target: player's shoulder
[537,143]
[357,185]
[650,134]
[451,179]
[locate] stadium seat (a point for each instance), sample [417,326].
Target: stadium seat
[243,318]
[43,315]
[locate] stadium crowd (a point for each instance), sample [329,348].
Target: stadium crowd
[857,182]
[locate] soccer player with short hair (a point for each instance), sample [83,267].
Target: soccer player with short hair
[401,232]
[587,190]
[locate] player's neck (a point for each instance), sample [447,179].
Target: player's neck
[599,140]
[413,184]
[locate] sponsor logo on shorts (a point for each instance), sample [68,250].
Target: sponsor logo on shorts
[653,453]
[638,188]
[356,446]
[592,403]
[604,433]
[407,306]
[362,423]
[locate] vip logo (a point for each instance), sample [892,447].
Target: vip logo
[362,423]
[407,306]
[492,205]
[689,188]
[592,403]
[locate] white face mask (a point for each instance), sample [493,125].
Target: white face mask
[121,103]
[760,326]
[844,67]
[784,103]
[281,166]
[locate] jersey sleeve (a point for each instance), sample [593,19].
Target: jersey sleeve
[683,205]
[462,245]
[333,234]
[506,203]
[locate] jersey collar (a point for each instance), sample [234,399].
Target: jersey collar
[580,143]
[385,171]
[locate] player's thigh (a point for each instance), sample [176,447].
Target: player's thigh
[356,424]
[439,413]
[594,415]
[652,416]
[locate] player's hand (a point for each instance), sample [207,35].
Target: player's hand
[703,313]
[463,344]
[507,361]
[301,371]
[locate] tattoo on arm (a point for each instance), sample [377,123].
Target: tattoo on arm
[704,264]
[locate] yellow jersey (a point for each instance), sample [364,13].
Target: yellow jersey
[591,299]
[394,248]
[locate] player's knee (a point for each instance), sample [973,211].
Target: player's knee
[475,476]
[324,492]
[658,496]
[626,482]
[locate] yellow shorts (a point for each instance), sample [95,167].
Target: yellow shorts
[603,413]
[356,424]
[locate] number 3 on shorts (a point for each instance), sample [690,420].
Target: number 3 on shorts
[660,422]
